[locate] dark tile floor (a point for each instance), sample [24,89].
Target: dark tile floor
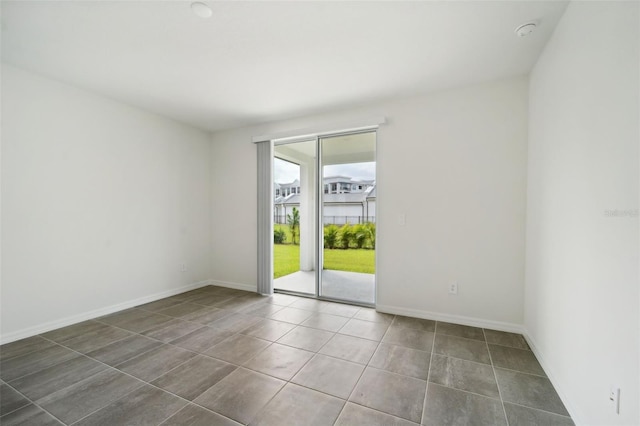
[218,356]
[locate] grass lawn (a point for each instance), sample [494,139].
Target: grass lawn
[352,260]
[286,259]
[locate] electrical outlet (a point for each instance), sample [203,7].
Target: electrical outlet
[453,287]
[614,398]
[402,219]
[183,267]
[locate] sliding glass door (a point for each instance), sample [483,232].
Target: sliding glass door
[324,217]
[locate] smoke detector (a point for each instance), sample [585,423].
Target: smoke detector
[525,29]
[201,9]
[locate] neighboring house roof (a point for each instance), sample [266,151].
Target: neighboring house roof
[372,193]
[354,197]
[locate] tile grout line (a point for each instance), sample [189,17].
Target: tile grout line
[426,391]
[495,376]
[30,402]
[126,394]
[363,371]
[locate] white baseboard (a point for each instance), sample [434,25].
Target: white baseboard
[549,371]
[74,319]
[456,319]
[237,286]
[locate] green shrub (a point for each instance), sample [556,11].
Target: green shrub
[359,235]
[370,230]
[279,236]
[346,236]
[330,236]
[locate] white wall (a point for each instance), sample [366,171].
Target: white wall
[101,202]
[582,266]
[465,150]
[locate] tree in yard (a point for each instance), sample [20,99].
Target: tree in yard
[293,220]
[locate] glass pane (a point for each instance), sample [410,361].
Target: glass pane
[349,217]
[294,230]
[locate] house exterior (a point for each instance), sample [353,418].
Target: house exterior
[345,200]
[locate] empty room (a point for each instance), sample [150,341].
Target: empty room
[320,212]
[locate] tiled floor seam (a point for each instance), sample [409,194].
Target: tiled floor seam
[495,376]
[117,399]
[426,391]
[44,368]
[30,402]
[362,374]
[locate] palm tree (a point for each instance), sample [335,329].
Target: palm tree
[293,220]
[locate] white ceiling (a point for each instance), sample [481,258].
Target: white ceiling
[260,61]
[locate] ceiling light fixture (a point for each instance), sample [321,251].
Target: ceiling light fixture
[526,29]
[201,9]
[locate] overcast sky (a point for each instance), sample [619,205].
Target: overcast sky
[285,172]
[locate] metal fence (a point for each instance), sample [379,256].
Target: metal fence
[333,220]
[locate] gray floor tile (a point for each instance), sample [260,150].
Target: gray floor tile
[309,304]
[340,309]
[29,416]
[122,350]
[415,323]
[515,359]
[195,376]
[235,322]
[56,377]
[144,406]
[350,348]
[24,347]
[77,401]
[95,339]
[400,396]
[192,415]
[326,322]
[457,347]
[10,399]
[506,339]
[201,339]
[75,330]
[207,315]
[209,299]
[523,416]
[241,303]
[410,338]
[357,415]
[295,405]
[282,299]
[240,395]
[401,360]
[136,320]
[269,329]
[31,362]
[291,315]
[530,391]
[262,310]
[156,362]
[238,349]
[172,330]
[465,375]
[369,314]
[365,329]
[446,406]
[458,330]
[279,361]
[309,339]
[179,311]
[329,375]
[161,304]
